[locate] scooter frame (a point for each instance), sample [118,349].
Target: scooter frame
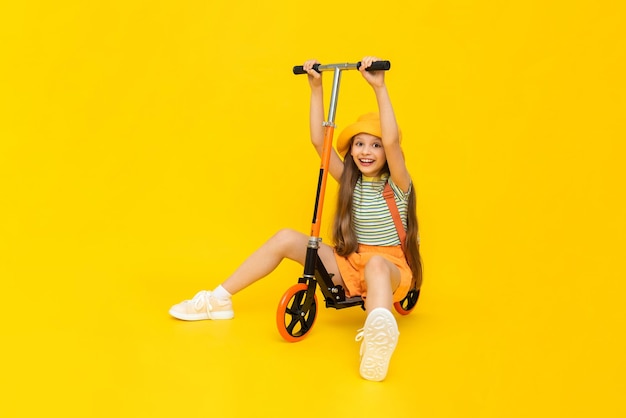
[298,307]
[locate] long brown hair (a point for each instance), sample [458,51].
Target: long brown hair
[344,235]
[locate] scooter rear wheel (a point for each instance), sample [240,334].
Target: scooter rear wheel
[292,320]
[406,305]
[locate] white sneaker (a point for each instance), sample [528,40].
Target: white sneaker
[380,337]
[203,306]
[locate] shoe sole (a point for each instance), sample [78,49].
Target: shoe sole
[203,316]
[380,339]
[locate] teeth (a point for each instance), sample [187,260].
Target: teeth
[367,161]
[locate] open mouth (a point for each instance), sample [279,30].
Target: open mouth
[366,161]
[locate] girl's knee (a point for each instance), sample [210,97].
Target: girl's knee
[377,267]
[377,271]
[381,272]
[289,243]
[286,236]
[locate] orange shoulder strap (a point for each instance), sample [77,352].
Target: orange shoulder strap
[395,214]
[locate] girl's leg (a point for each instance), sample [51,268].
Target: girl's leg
[382,279]
[286,243]
[216,304]
[380,332]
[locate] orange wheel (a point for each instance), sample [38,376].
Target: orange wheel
[292,320]
[406,305]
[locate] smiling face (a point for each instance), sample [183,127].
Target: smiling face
[368,154]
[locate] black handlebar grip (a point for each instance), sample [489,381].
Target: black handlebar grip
[376,66]
[299,69]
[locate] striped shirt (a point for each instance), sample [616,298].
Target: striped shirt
[372,220]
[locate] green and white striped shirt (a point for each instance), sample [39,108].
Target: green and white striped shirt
[372,220]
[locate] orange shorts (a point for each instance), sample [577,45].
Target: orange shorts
[352,269]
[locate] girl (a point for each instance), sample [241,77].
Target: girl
[367,259]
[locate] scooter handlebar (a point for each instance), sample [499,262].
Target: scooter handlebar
[376,66]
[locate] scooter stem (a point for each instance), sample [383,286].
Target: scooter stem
[329,129]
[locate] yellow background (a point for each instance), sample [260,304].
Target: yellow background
[146,147]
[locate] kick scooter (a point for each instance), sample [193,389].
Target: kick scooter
[298,307]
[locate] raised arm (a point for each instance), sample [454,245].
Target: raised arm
[316,119]
[389,126]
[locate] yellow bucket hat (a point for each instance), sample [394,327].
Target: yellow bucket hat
[368,123]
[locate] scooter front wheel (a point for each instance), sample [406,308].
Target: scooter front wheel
[406,305]
[292,319]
